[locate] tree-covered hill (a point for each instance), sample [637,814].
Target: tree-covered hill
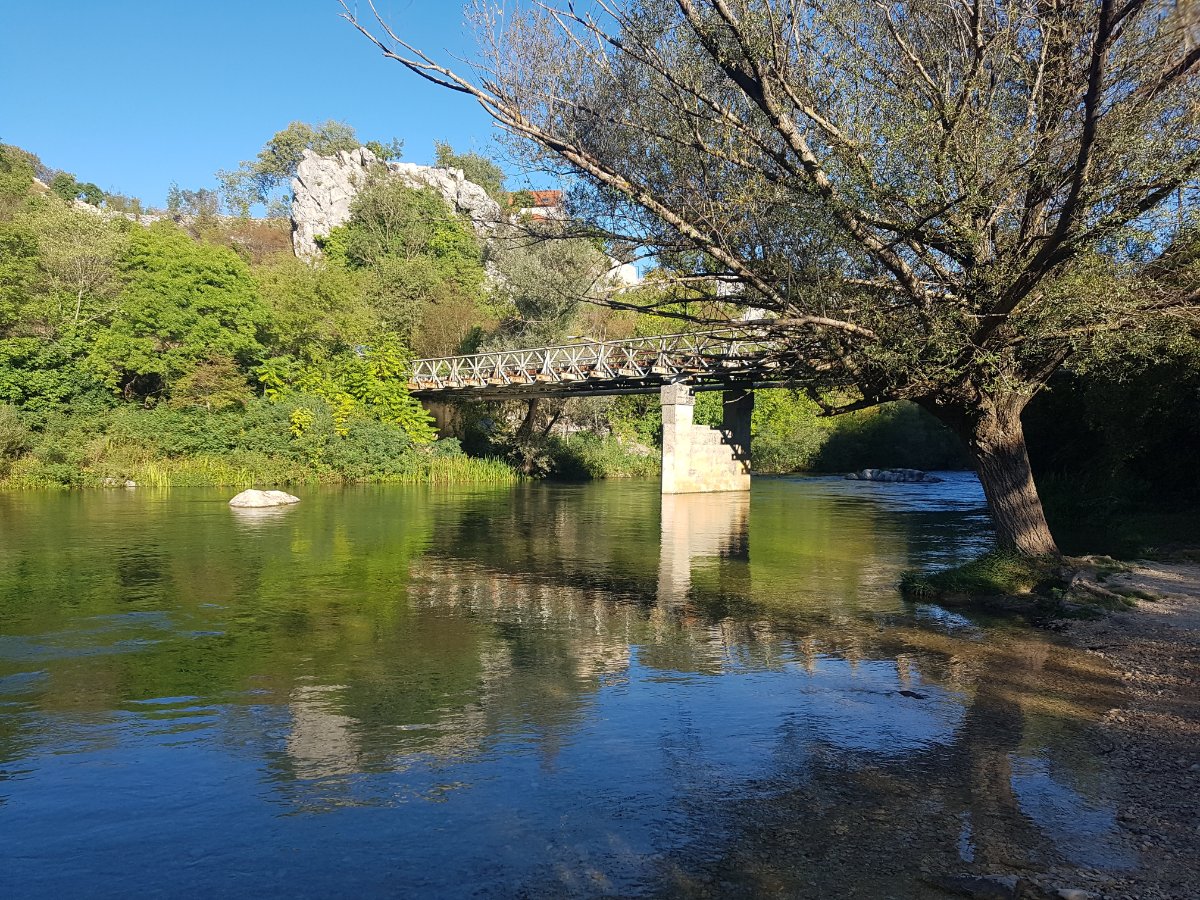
[198,349]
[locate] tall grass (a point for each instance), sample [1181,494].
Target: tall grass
[208,471]
[251,470]
[467,470]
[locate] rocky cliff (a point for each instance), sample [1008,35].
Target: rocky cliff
[325,186]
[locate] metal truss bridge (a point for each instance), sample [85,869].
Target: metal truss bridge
[706,361]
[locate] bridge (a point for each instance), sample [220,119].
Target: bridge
[695,458]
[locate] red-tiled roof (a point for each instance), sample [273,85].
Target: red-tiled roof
[542,199]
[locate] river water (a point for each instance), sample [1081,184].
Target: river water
[537,691]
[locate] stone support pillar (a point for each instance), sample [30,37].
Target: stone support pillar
[446,418]
[678,409]
[697,459]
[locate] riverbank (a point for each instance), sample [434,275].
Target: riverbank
[1152,739]
[215,471]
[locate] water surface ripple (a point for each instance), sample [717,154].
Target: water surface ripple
[538,691]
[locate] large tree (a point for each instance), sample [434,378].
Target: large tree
[933,200]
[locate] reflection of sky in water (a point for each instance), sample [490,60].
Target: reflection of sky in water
[92,636]
[957,492]
[946,619]
[404,692]
[966,842]
[609,792]
[1083,832]
[952,517]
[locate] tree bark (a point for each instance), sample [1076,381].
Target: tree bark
[995,439]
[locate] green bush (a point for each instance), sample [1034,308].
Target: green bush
[584,456]
[372,450]
[15,438]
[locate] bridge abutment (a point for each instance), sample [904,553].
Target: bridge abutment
[447,418]
[697,459]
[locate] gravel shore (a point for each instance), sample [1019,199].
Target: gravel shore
[1152,739]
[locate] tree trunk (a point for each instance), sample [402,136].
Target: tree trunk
[996,441]
[525,429]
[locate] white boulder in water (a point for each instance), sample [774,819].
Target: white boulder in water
[259,499]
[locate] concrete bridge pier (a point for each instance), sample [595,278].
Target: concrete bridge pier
[697,459]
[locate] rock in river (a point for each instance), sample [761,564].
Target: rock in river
[904,476]
[259,499]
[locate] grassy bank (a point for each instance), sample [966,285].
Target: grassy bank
[1041,589]
[210,471]
[994,574]
[260,444]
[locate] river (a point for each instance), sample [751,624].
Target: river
[545,690]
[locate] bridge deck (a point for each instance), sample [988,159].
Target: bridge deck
[706,360]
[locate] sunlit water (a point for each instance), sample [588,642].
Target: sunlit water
[542,691]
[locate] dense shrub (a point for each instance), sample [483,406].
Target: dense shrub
[896,435]
[583,456]
[14,437]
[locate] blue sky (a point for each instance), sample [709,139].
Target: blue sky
[135,94]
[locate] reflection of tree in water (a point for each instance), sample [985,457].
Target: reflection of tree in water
[865,824]
[385,629]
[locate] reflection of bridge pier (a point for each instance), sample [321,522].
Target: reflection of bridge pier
[698,526]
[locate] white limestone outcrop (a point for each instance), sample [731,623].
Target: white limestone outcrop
[325,187]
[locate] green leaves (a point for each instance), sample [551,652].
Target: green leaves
[367,383]
[183,302]
[65,185]
[16,172]
[314,311]
[420,263]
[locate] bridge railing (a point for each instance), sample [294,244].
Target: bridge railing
[716,353]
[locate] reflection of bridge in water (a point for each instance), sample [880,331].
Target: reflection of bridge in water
[676,366]
[560,649]
[677,612]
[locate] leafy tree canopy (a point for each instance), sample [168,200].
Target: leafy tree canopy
[79,277]
[202,204]
[66,186]
[544,281]
[421,263]
[315,311]
[17,169]
[184,302]
[925,204]
[258,181]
